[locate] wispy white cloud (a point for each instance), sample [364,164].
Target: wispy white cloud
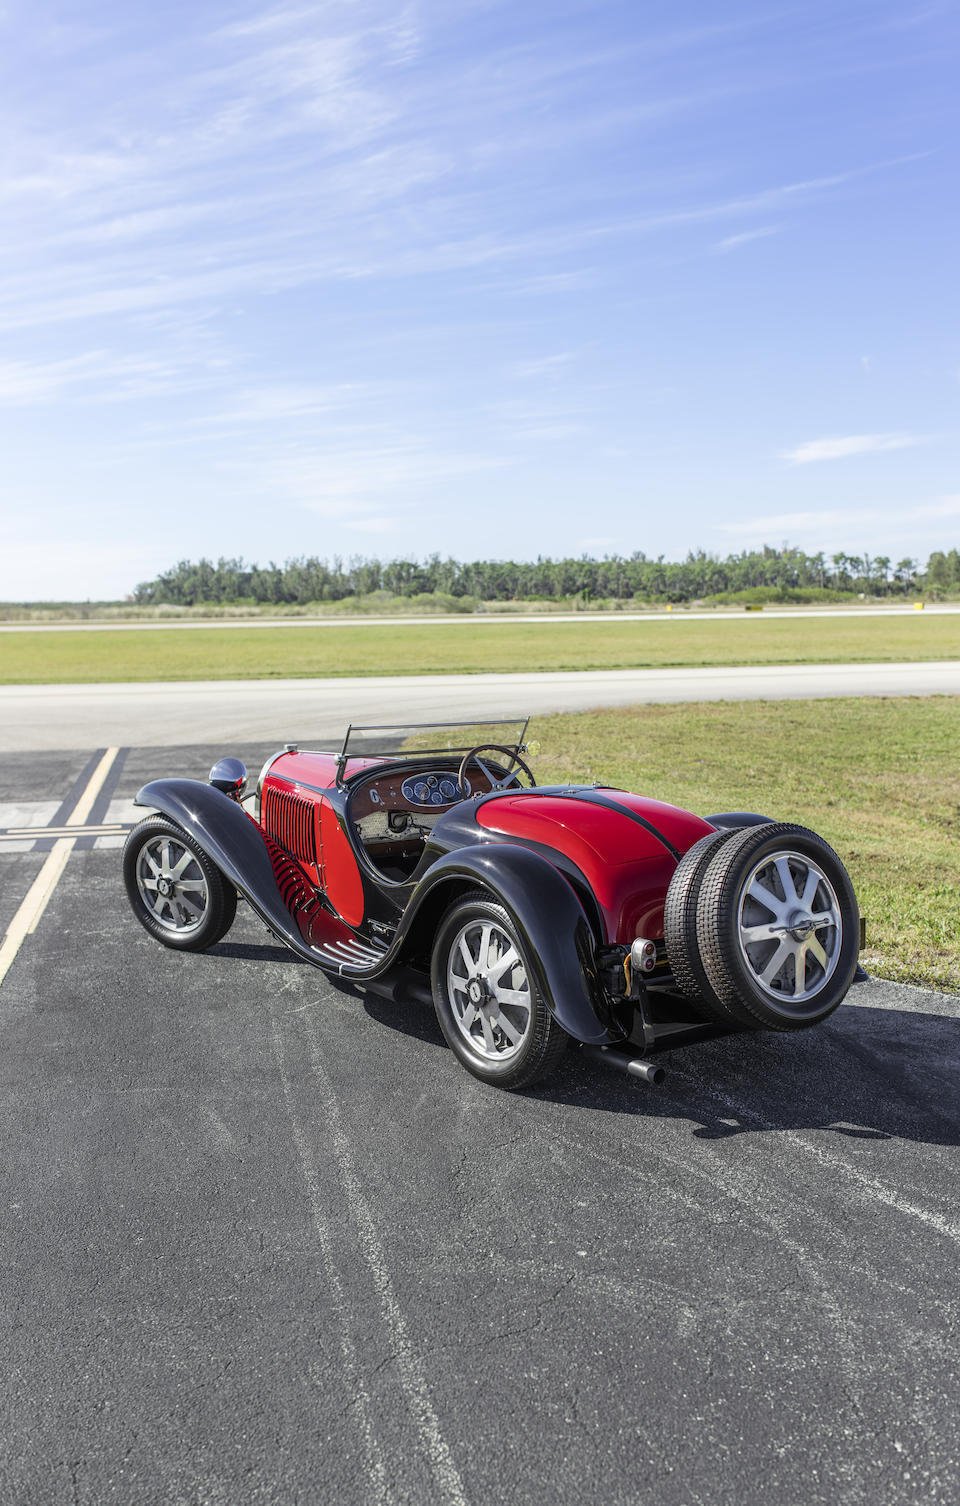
[732,242]
[822,524]
[840,447]
[542,366]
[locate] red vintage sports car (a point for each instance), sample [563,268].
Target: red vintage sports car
[426,859]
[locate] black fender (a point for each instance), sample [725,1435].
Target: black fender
[734,820]
[553,924]
[234,841]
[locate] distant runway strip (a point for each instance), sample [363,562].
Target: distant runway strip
[469,619]
[172,713]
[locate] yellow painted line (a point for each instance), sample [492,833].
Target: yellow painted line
[84,805]
[37,898]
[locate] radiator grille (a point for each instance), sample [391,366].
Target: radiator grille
[291,821]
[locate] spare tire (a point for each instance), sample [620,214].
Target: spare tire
[680,931]
[777,926]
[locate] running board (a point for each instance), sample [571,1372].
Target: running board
[350,956]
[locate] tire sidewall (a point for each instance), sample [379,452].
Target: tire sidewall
[680,932]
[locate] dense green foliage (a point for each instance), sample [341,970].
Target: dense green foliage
[769,574]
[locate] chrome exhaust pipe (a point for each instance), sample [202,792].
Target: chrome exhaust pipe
[633,1066]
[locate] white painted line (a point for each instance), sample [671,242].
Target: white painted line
[15,815]
[59,831]
[31,909]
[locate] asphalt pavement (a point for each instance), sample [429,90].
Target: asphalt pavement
[316,712]
[265,1241]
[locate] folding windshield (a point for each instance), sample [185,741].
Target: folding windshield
[393,741]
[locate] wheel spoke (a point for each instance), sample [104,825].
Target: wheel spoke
[814,946]
[510,1030]
[776,962]
[810,888]
[517,998]
[800,970]
[466,954]
[787,880]
[189,906]
[489,1041]
[468,1016]
[181,863]
[766,897]
[753,934]
[828,918]
[510,958]
[148,857]
[483,957]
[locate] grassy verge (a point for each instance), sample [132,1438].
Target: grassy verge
[467,647]
[879,779]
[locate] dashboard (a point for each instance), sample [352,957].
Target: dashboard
[394,812]
[433,788]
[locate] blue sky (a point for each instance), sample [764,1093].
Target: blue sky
[471,277]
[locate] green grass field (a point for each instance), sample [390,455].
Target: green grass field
[466,647]
[880,779]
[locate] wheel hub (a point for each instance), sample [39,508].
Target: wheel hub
[800,924]
[476,991]
[164,886]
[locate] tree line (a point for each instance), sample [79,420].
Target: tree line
[774,574]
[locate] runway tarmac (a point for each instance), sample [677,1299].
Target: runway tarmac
[312,712]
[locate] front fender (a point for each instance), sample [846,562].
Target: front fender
[553,925]
[234,841]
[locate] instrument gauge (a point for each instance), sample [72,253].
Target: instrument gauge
[448,789]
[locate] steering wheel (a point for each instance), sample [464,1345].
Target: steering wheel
[495,784]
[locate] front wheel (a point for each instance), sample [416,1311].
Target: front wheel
[488,1005]
[175,891]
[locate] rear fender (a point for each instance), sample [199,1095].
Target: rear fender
[553,926]
[736,820]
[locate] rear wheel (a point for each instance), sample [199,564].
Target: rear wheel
[488,1005]
[175,891]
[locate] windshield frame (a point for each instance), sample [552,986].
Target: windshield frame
[346,754]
